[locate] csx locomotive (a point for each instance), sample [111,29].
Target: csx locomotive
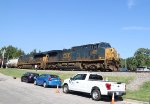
[99,56]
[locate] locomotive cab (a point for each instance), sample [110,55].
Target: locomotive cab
[111,54]
[112,59]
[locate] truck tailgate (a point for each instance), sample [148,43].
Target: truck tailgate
[118,87]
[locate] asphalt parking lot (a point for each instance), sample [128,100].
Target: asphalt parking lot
[13,91]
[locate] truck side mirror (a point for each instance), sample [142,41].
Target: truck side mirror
[71,78]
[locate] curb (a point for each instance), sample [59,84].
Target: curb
[130,101]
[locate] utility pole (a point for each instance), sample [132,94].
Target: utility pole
[3,54]
[7,61]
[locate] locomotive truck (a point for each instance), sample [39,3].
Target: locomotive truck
[99,56]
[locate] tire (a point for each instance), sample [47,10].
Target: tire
[21,80]
[96,95]
[35,83]
[65,89]
[26,80]
[44,85]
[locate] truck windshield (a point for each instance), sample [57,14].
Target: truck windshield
[95,77]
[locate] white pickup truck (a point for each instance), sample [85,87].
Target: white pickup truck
[93,84]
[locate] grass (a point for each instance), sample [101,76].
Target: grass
[143,94]
[12,72]
[63,75]
[18,73]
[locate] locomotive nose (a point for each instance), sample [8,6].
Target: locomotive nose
[114,54]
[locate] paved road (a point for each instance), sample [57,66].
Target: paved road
[12,91]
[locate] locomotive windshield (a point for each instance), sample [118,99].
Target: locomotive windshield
[103,44]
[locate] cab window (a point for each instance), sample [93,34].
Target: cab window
[95,77]
[79,77]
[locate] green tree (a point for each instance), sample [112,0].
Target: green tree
[131,63]
[141,58]
[122,61]
[142,55]
[12,52]
[33,52]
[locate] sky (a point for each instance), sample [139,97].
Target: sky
[61,24]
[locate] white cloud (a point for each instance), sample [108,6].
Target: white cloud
[131,3]
[136,28]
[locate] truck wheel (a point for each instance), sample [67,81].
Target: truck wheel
[96,95]
[65,89]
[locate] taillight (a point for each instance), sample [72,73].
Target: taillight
[108,86]
[49,79]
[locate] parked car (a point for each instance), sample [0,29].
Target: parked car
[94,85]
[143,68]
[29,77]
[48,80]
[123,69]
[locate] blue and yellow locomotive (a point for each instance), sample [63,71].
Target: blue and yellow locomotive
[99,56]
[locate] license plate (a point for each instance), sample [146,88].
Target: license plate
[117,93]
